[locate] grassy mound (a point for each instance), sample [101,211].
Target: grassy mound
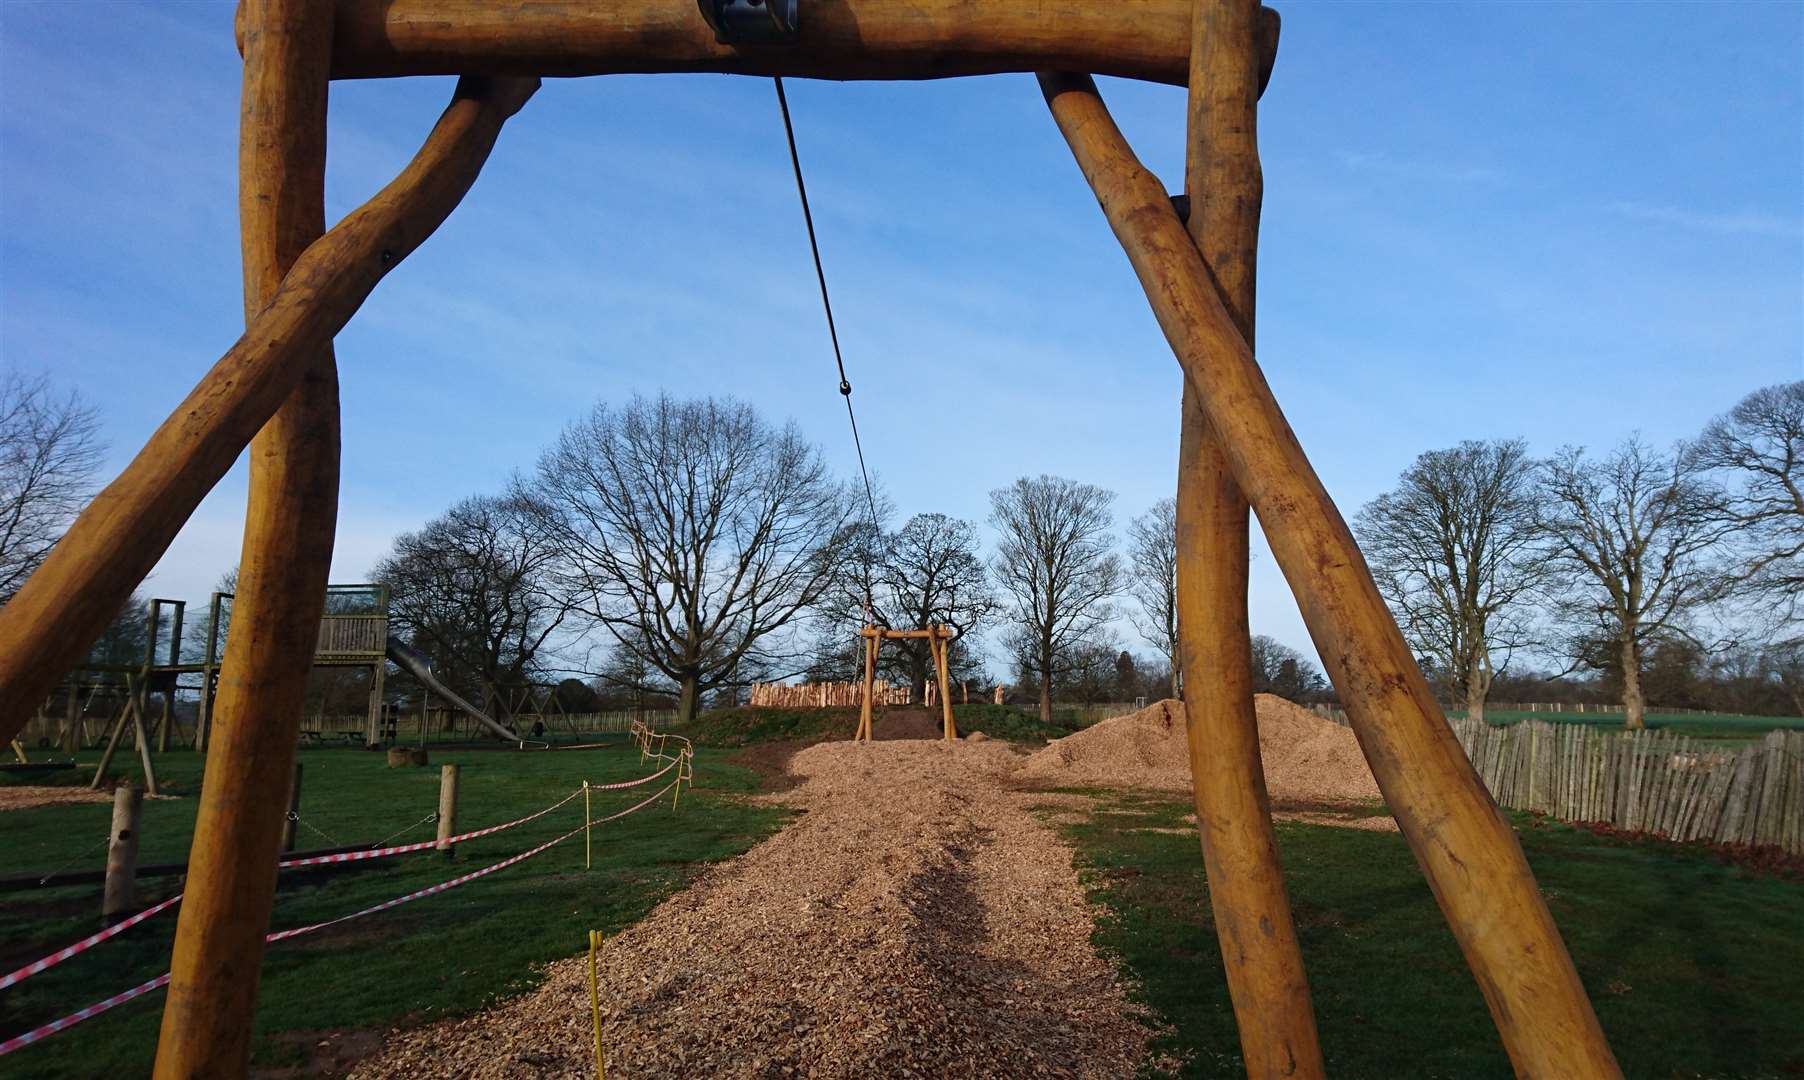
[747,726]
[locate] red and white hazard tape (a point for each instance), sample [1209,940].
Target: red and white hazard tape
[86,943]
[92,940]
[19,1042]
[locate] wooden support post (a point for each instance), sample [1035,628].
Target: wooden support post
[378,671]
[1260,953]
[143,740]
[72,720]
[1467,851]
[447,806]
[120,897]
[115,730]
[115,542]
[207,667]
[231,883]
[941,642]
[291,820]
[870,684]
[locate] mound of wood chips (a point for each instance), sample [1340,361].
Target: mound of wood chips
[1307,759]
[916,921]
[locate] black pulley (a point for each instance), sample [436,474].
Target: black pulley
[753,22]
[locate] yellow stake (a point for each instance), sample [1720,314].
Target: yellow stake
[588,825]
[601,1066]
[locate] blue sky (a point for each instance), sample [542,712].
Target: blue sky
[1559,222]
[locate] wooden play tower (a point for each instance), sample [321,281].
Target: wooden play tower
[276,391]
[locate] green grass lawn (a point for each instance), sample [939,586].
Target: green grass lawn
[1722,728]
[1696,968]
[441,955]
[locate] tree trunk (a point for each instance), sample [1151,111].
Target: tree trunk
[1177,676]
[1634,707]
[1046,691]
[688,699]
[1478,687]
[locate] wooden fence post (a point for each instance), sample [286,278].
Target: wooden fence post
[447,806]
[120,897]
[292,819]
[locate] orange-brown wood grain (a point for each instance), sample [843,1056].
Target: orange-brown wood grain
[1467,851]
[1260,954]
[289,525]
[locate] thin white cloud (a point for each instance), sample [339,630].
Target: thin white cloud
[1739,223]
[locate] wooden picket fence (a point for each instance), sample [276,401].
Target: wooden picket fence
[824,695]
[1646,781]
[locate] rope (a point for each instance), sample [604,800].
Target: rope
[820,274]
[104,841]
[382,843]
[309,826]
[19,1042]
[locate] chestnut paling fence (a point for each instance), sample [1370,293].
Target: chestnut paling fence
[1646,781]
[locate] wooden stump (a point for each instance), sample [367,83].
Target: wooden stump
[403,757]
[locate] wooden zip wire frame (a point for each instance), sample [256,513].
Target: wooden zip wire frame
[939,638]
[276,391]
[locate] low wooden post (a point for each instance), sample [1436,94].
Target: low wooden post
[120,897]
[588,826]
[1468,853]
[292,820]
[447,806]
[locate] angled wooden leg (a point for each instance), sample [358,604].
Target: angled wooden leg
[1260,954]
[1467,851]
[116,541]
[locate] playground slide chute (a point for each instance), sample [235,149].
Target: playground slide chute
[415,663]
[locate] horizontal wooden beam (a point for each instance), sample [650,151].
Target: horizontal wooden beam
[839,39]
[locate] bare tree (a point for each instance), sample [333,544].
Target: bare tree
[1760,444]
[929,571]
[1631,536]
[1454,551]
[1281,670]
[49,449]
[693,532]
[1153,581]
[1056,566]
[475,589]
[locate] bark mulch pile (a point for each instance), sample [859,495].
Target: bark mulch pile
[916,921]
[1307,759]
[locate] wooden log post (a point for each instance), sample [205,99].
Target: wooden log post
[447,806]
[1468,853]
[289,524]
[120,895]
[1260,954]
[115,542]
[219,936]
[291,820]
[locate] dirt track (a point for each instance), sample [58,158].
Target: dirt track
[917,920]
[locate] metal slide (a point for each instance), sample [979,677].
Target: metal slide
[415,663]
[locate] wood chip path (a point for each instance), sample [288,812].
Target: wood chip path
[916,920]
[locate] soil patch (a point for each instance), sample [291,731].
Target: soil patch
[27,796]
[1307,759]
[918,920]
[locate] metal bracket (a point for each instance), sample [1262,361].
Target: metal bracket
[753,22]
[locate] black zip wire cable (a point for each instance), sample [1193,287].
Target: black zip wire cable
[845,386]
